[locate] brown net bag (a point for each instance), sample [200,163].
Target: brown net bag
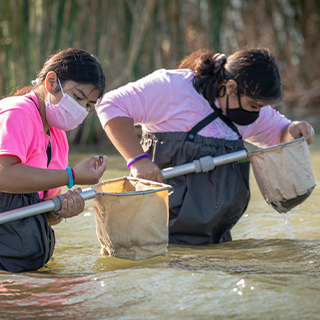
[284,174]
[132,217]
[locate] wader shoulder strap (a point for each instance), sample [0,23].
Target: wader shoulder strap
[226,120]
[49,144]
[200,125]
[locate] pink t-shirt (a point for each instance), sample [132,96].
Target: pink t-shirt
[166,101]
[22,135]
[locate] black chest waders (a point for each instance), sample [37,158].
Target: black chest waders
[203,207]
[26,244]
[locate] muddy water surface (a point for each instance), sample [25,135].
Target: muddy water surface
[265,273]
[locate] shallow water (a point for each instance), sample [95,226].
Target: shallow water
[267,272]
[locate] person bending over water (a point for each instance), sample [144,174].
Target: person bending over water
[206,107]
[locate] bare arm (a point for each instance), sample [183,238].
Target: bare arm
[19,178]
[16,177]
[122,134]
[296,130]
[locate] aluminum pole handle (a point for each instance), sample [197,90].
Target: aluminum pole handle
[45,206]
[203,164]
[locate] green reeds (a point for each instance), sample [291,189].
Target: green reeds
[132,38]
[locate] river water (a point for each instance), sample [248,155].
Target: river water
[270,271]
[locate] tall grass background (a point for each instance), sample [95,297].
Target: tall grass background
[132,38]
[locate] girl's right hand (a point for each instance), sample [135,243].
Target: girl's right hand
[146,169]
[72,204]
[91,170]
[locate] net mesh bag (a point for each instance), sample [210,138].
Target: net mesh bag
[132,217]
[284,174]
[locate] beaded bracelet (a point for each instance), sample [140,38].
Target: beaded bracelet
[131,161]
[70,185]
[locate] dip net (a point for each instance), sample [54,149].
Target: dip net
[284,174]
[132,217]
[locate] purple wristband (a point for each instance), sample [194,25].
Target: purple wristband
[131,161]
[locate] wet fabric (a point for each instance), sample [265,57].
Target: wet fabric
[25,244]
[203,207]
[284,174]
[132,217]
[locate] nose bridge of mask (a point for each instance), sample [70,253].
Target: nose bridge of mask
[71,100]
[67,114]
[241,116]
[244,110]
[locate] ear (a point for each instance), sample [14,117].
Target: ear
[51,81]
[231,87]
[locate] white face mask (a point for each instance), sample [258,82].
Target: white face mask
[67,114]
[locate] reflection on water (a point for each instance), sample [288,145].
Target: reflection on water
[270,271]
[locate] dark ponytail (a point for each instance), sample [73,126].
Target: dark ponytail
[255,71]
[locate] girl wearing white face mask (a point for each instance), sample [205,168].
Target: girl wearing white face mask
[67,114]
[34,154]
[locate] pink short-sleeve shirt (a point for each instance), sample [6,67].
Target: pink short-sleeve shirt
[22,135]
[166,101]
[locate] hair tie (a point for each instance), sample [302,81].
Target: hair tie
[35,82]
[219,59]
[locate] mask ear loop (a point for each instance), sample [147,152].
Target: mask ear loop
[240,106]
[60,86]
[224,88]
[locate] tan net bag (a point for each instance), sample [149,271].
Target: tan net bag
[284,174]
[132,217]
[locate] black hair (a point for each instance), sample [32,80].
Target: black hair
[77,65]
[254,70]
[72,64]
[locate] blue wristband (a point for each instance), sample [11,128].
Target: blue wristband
[70,185]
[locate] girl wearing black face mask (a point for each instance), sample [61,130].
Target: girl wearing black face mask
[240,115]
[204,108]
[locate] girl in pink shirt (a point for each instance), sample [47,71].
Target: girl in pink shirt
[34,154]
[206,107]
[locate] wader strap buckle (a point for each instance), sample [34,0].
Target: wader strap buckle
[200,125]
[226,120]
[191,135]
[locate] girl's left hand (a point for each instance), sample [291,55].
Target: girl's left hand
[299,129]
[91,170]
[72,205]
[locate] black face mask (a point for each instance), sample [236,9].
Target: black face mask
[241,116]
